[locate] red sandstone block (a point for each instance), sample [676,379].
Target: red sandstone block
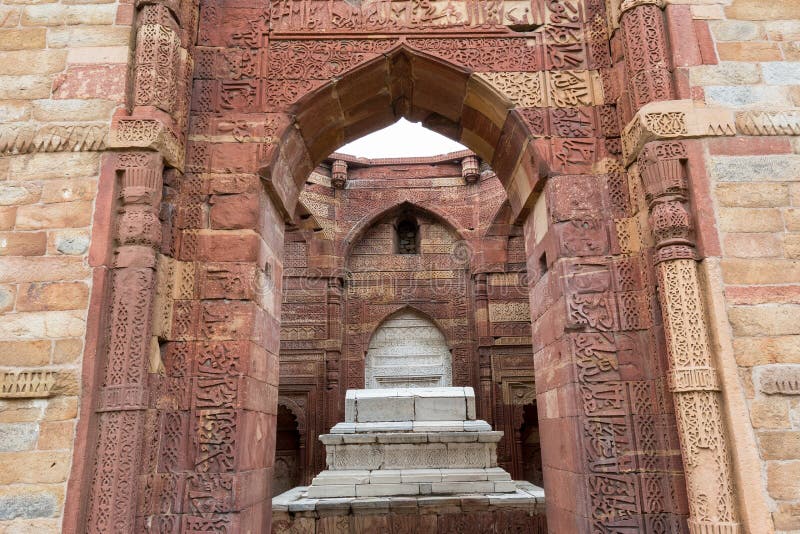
[92,81]
[708,52]
[124,14]
[228,245]
[683,88]
[560,452]
[685,47]
[227,280]
[233,157]
[574,197]
[229,184]
[745,146]
[563,520]
[234,211]
[258,450]
[784,294]
[52,296]
[221,320]
[23,243]
[480,126]
[564,483]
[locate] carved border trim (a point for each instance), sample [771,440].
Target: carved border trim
[682,119]
[16,139]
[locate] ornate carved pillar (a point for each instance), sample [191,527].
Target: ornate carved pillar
[123,393]
[647,64]
[333,357]
[484,342]
[692,376]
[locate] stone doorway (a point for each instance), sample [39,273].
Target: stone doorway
[531,446]
[288,454]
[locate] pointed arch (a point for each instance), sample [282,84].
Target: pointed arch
[368,221]
[404,82]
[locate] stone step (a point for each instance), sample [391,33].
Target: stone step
[431,454]
[412,426]
[395,483]
[363,476]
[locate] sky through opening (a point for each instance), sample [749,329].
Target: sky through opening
[402,139]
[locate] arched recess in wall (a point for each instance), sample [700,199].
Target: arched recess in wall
[381,214]
[408,349]
[380,282]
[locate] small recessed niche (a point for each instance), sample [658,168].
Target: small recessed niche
[407,235]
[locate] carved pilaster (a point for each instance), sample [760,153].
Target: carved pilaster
[158,53]
[647,62]
[123,389]
[692,376]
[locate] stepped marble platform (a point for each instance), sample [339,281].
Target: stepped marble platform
[418,448]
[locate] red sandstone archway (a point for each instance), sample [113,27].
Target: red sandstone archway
[405,83]
[608,444]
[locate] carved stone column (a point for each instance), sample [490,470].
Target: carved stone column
[123,393]
[692,376]
[333,390]
[484,342]
[647,64]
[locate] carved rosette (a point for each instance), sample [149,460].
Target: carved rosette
[692,376]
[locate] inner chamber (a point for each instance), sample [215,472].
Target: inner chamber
[407,273]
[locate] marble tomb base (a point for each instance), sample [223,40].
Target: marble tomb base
[416,456]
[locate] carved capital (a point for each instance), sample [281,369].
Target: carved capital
[673,119]
[339,174]
[671,223]
[665,185]
[150,133]
[630,4]
[470,169]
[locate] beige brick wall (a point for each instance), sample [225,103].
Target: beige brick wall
[755,186]
[62,76]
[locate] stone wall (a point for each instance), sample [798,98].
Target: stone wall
[750,228]
[62,76]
